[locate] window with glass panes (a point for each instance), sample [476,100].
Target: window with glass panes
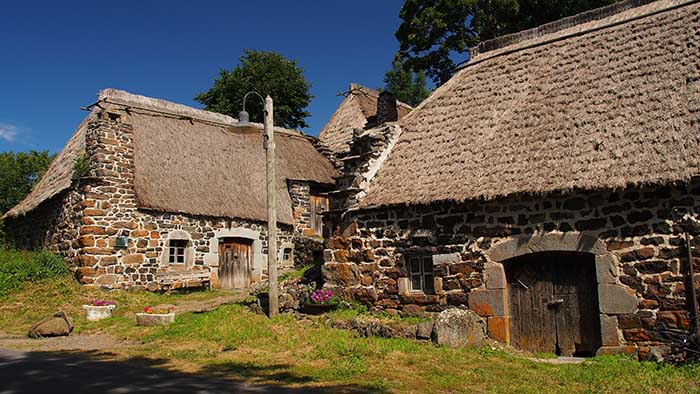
[287,254]
[421,273]
[176,253]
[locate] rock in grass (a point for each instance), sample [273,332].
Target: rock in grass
[56,325]
[424,329]
[458,327]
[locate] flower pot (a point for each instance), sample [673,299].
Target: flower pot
[155,319]
[317,309]
[95,312]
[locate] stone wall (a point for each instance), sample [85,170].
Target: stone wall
[300,192]
[52,225]
[110,242]
[110,215]
[637,245]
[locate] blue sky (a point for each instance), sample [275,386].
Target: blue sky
[56,55]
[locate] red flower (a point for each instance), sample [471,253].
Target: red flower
[146,309]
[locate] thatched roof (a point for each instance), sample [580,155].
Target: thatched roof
[58,176]
[608,103]
[189,160]
[359,105]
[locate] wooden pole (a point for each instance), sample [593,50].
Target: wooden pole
[693,302]
[271,210]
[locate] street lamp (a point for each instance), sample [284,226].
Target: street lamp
[269,146]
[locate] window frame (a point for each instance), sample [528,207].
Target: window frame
[425,277]
[177,249]
[287,256]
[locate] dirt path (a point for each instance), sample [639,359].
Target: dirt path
[91,372]
[73,342]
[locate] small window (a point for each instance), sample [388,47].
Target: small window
[421,271]
[176,252]
[287,254]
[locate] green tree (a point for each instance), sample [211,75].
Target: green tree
[19,172]
[433,31]
[405,85]
[267,73]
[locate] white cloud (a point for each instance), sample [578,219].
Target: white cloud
[8,132]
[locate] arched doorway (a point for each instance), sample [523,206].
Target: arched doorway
[553,303]
[547,254]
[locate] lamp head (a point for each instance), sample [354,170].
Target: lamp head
[243,119]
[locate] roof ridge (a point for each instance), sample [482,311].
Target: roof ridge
[122,97]
[356,86]
[568,22]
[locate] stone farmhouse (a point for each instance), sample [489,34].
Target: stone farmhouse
[549,186]
[157,195]
[542,187]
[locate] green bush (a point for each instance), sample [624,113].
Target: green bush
[20,267]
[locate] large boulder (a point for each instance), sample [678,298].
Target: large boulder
[458,327]
[56,325]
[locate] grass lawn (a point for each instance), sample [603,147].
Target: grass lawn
[234,343]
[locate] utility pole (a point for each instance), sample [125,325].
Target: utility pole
[271,210]
[269,146]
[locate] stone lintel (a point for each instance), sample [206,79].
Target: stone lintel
[448,258]
[524,244]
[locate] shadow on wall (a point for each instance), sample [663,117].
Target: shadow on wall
[92,372]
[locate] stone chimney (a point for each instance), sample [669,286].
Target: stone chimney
[386,108]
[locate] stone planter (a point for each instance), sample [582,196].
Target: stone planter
[95,313]
[317,309]
[155,319]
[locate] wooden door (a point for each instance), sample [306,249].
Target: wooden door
[532,324]
[318,204]
[553,303]
[235,263]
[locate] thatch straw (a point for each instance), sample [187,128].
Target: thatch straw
[614,105]
[359,105]
[189,160]
[189,166]
[58,176]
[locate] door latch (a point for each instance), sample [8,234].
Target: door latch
[556,302]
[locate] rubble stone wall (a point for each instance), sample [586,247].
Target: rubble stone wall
[111,242]
[300,193]
[638,250]
[110,213]
[52,225]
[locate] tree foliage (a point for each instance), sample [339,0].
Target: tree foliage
[19,172]
[434,30]
[267,73]
[405,85]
